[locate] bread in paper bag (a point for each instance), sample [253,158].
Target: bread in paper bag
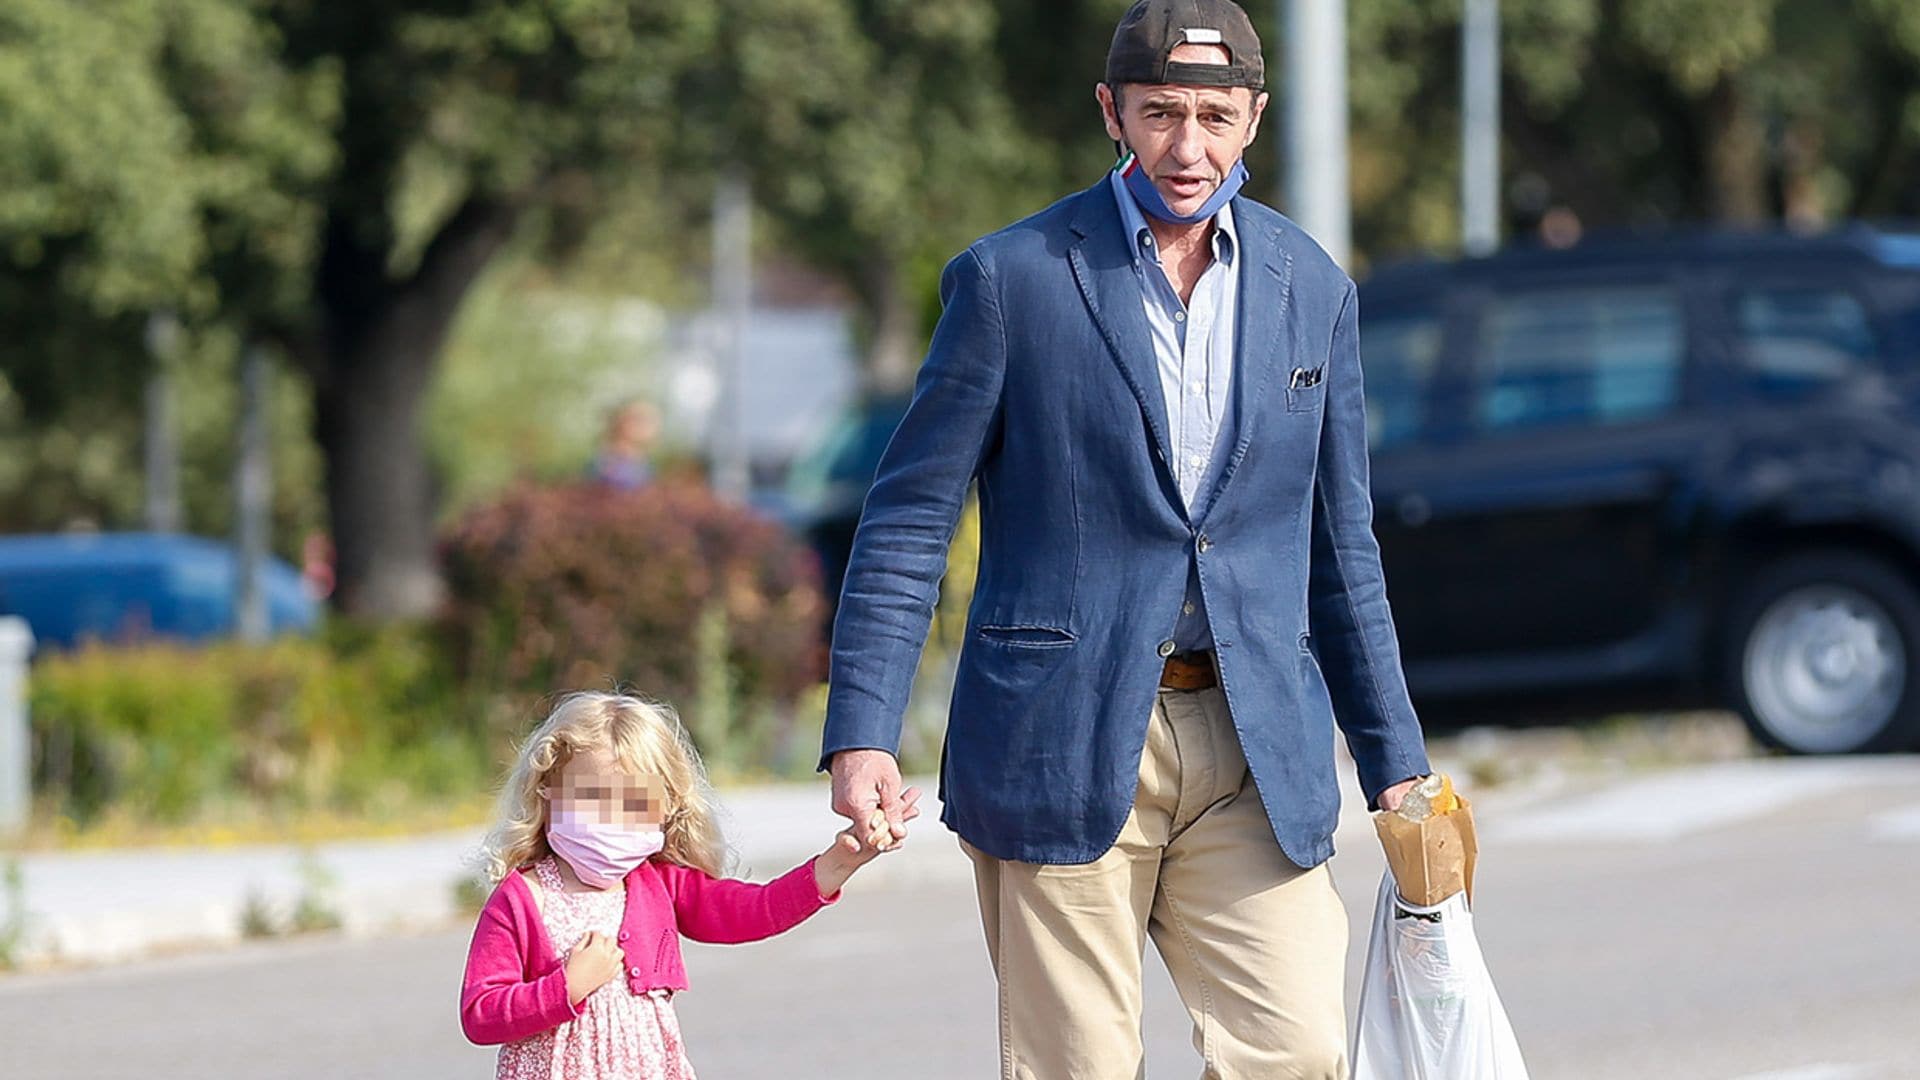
[1432,858]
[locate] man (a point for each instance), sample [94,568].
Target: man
[622,461]
[1156,385]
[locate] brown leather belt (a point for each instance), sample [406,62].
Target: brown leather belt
[1190,671]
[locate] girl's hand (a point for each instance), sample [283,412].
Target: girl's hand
[595,961]
[851,850]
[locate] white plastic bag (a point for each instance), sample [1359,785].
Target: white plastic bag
[1428,1010]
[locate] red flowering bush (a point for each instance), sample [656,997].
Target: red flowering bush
[667,591]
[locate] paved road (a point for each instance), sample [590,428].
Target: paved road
[1735,921]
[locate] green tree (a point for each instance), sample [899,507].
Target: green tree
[459,124]
[350,168]
[150,156]
[1643,112]
[880,138]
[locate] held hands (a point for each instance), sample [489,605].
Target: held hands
[854,848]
[866,791]
[593,963]
[866,780]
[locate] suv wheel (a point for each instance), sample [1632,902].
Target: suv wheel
[1824,655]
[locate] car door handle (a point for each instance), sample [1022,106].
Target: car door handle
[1414,510]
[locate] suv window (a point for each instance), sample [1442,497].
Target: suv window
[1399,352]
[1798,341]
[1579,356]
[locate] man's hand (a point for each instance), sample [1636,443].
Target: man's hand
[865,780]
[1390,799]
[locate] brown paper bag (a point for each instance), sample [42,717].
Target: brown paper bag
[1432,859]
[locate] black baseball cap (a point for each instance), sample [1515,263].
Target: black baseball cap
[1153,28]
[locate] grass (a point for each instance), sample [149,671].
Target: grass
[1493,757]
[13,926]
[314,910]
[242,825]
[470,893]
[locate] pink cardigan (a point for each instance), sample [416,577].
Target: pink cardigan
[516,986]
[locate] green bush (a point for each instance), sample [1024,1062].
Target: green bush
[167,734]
[668,591]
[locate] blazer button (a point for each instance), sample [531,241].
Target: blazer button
[1205,544]
[1166,648]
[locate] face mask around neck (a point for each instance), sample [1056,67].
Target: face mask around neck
[1147,197]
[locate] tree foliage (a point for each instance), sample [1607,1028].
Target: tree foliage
[335,175]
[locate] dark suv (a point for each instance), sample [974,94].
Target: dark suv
[1680,471]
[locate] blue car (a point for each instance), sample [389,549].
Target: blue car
[125,586]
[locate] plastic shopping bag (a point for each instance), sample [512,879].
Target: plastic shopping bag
[1428,1010]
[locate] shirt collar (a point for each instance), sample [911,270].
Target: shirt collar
[1225,240]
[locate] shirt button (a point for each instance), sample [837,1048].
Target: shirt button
[1205,544]
[1166,650]
[1196,387]
[1186,608]
[1196,460]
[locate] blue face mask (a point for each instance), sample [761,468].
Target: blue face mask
[1150,202]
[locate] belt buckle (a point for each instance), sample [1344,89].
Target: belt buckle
[1192,671]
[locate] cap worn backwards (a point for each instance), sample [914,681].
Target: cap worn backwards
[1152,29]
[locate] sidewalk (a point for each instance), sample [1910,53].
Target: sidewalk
[105,906]
[96,907]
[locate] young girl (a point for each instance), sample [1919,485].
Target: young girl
[605,853]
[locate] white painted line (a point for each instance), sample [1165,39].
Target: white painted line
[1902,824]
[1822,1071]
[1671,805]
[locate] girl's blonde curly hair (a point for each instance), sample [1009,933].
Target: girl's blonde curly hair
[646,738]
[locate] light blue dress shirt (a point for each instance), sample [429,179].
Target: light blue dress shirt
[1193,344]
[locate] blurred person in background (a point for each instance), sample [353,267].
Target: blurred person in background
[624,460]
[316,564]
[1155,384]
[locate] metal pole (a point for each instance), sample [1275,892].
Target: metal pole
[732,301]
[161,449]
[253,498]
[16,779]
[1480,127]
[1315,149]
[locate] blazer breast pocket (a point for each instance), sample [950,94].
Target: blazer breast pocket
[1306,398]
[1306,388]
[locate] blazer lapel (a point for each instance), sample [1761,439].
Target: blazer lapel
[1103,267]
[1266,298]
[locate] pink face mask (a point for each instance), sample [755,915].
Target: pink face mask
[601,854]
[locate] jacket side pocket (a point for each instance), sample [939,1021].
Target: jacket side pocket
[1026,637]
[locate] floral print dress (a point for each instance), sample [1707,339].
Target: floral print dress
[618,1032]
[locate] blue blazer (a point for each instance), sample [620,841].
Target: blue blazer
[1040,385]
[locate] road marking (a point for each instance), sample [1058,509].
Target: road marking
[1671,805]
[1902,824]
[1823,1071]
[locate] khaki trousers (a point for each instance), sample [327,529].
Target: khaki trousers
[1256,945]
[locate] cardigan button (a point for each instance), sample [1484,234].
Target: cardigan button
[635,972]
[623,935]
